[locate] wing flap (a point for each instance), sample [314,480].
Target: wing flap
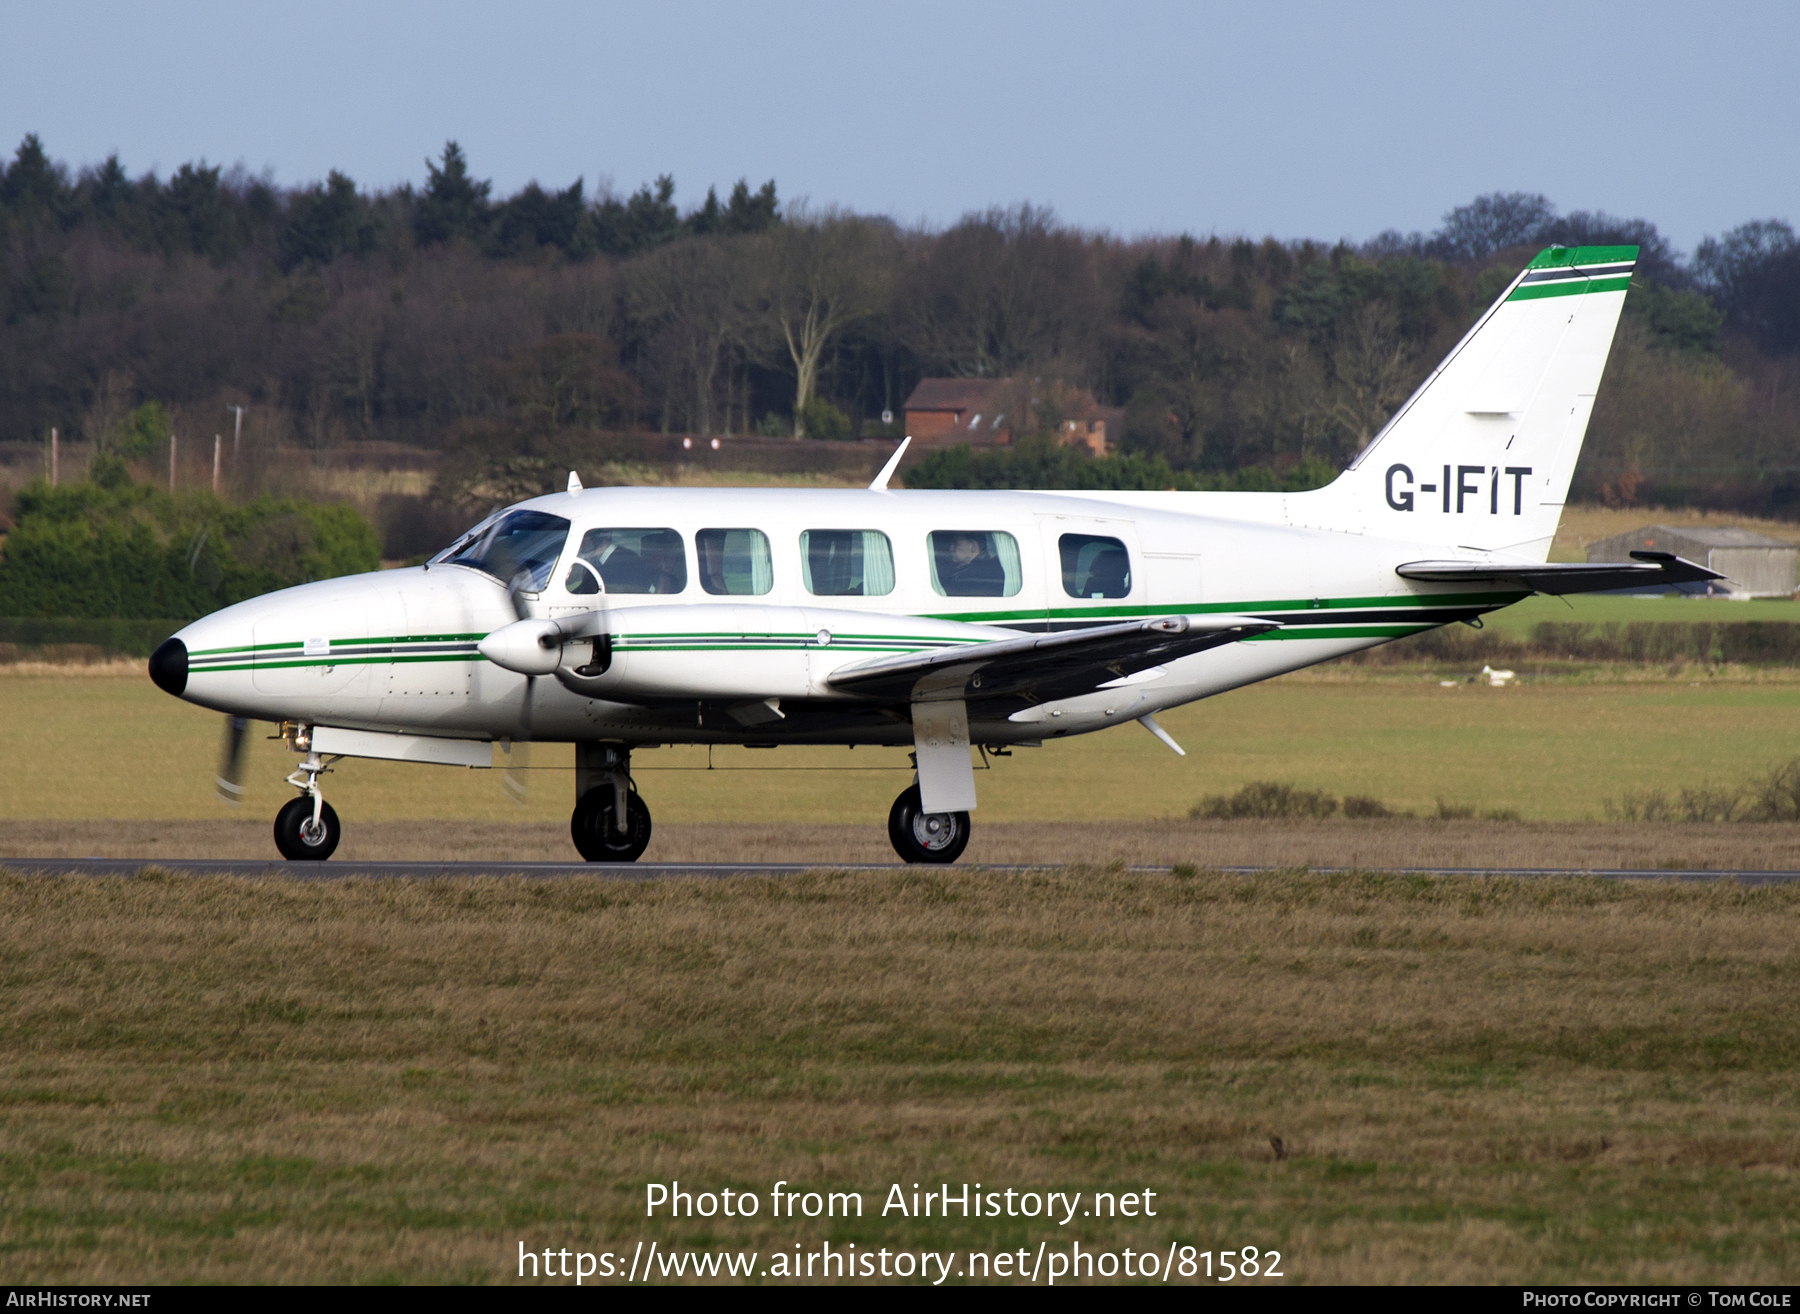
[1042,667]
[1648,570]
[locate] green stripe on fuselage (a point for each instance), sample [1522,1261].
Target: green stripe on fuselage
[1306,618]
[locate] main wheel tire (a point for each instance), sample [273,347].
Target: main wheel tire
[296,836]
[921,836]
[592,827]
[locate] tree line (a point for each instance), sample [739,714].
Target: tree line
[511,330]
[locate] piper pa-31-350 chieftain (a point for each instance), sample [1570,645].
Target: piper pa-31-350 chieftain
[616,618]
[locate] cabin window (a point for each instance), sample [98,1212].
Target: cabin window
[519,548]
[974,563]
[1094,567]
[734,561]
[628,561]
[847,563]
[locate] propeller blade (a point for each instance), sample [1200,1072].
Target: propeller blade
[518,770]
[515,592]
[518,751]
[229,783]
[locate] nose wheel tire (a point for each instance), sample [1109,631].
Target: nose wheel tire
[920,836]
[299,839]
[592,827]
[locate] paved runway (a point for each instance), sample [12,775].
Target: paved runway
[656,870]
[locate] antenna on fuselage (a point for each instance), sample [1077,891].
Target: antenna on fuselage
[880,482]
[574,483]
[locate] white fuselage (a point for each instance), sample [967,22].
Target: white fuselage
[396,651]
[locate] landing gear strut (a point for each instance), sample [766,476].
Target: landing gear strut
[610,823]
[306,828]
[921,836]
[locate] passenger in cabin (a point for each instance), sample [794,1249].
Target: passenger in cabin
[966,568]
[1110,575]
[734,561]
[1094,566]
[846,563]
[664,561]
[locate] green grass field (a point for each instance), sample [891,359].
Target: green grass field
[116,747]
[1522,617]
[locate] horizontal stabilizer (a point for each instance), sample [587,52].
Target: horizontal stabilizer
[1044,667]
[1650,570]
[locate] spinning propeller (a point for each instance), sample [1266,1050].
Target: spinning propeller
[518,751]
[229,783]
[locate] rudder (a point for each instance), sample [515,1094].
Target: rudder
[1481,454]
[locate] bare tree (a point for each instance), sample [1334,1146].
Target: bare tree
[693,300]
[1372,362]
[112,398]
[1492,223]
[821,274]
[1001,291]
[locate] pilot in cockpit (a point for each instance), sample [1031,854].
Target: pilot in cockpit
[629,561]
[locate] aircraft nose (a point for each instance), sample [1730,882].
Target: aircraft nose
[169,667]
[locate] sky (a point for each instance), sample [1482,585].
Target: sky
[1291,119]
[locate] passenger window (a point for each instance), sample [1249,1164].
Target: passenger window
[1094,567]
[628,561]
[734,561]
[974,563]
[847,563]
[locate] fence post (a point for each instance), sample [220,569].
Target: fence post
[171,463]
[55,454]
[216,442]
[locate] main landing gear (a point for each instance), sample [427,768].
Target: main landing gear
[306,829]
[610,823]
[921,836]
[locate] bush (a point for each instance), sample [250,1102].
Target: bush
[820,419]
[143,433]
[38,638]
[1360,808]
[132,551]
[1265,799]
[1774,796]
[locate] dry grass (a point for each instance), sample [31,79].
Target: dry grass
[100,667]
[1474,1080]
[1376,844]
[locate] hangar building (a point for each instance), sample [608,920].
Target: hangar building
[1754,566]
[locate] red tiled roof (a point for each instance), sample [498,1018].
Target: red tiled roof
[954,394]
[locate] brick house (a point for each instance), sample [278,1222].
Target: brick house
[945,412]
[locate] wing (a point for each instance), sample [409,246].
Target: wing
[1650,570]
[1043,667]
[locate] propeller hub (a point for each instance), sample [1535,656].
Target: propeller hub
[529,647]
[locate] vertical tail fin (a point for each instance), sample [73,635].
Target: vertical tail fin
[1481,454]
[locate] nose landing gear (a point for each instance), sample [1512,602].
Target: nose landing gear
[921,836]
[306,828]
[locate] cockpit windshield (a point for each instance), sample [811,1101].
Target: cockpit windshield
[518,549]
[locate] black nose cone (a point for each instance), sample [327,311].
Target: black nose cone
[168,667]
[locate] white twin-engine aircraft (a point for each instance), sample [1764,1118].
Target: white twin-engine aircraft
[618,618]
